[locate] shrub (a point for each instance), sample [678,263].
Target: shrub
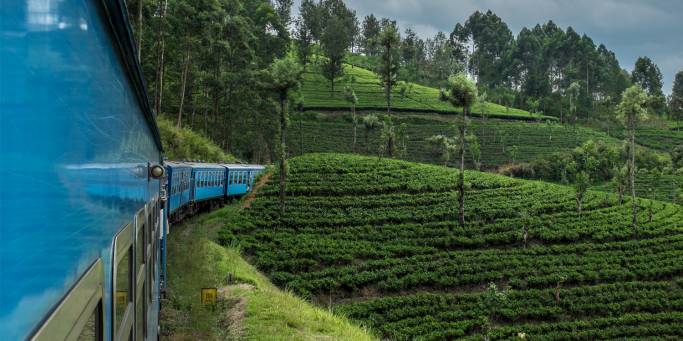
[186,144]
[518,170]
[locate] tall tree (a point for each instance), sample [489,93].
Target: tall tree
[371,30]
[573,92]
[442,60]
[352,99]
[631,110]
[304,40]
[334,46]
[492,41]
[285,76]
[461,92]
[309,14]
[186,29]
[676,101]
[161,46]
[649,77]
[389,63]
[284,11]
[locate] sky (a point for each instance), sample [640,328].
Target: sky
[630,28]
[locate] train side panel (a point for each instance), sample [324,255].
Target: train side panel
[75,144]
[208,181]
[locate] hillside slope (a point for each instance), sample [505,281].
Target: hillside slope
[250,307]
[379,240]
[186,144]
[501,141]
[318,95]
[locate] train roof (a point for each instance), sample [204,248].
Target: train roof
[241,166]
[177,164]
[204,165]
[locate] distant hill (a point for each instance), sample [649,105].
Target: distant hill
[379,240]
[418,98]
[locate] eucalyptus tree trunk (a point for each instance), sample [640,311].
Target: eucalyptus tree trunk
[283,153]
[160,58]
[461,180]
[632,175]
[183,83]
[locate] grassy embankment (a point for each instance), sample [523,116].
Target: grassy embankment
[250,307]
[186,144]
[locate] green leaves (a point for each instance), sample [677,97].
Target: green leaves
[633,106]
[461,91]
[285,74]
[350,96]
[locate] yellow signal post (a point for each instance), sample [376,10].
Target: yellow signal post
[209,296]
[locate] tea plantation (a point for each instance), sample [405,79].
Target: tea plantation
[501,141]
[318,95]
[378,240]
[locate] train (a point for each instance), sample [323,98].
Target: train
[87,197]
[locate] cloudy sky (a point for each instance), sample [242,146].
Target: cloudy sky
[630,28]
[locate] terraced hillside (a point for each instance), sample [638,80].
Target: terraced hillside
[501,141]
[318,95]
[379,241]
[663,139]
[665,187]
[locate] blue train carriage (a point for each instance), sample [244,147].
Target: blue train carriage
[81,208]
[240,178]
[179,185]
[208,181]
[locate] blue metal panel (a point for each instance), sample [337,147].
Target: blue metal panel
[241,178]
[179,178]
[74,146]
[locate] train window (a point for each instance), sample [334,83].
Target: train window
[123,283]
[79,316]
[140,274]
[123,292]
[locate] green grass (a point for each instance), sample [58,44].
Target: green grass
[251,308]
[380,240]
[318,96]
[333,133]
[186,144]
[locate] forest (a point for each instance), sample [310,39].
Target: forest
[206,64]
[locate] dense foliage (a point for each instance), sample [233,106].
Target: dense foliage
[203,61]
[185,144]
[379,240]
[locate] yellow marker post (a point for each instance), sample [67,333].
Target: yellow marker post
[209,296]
